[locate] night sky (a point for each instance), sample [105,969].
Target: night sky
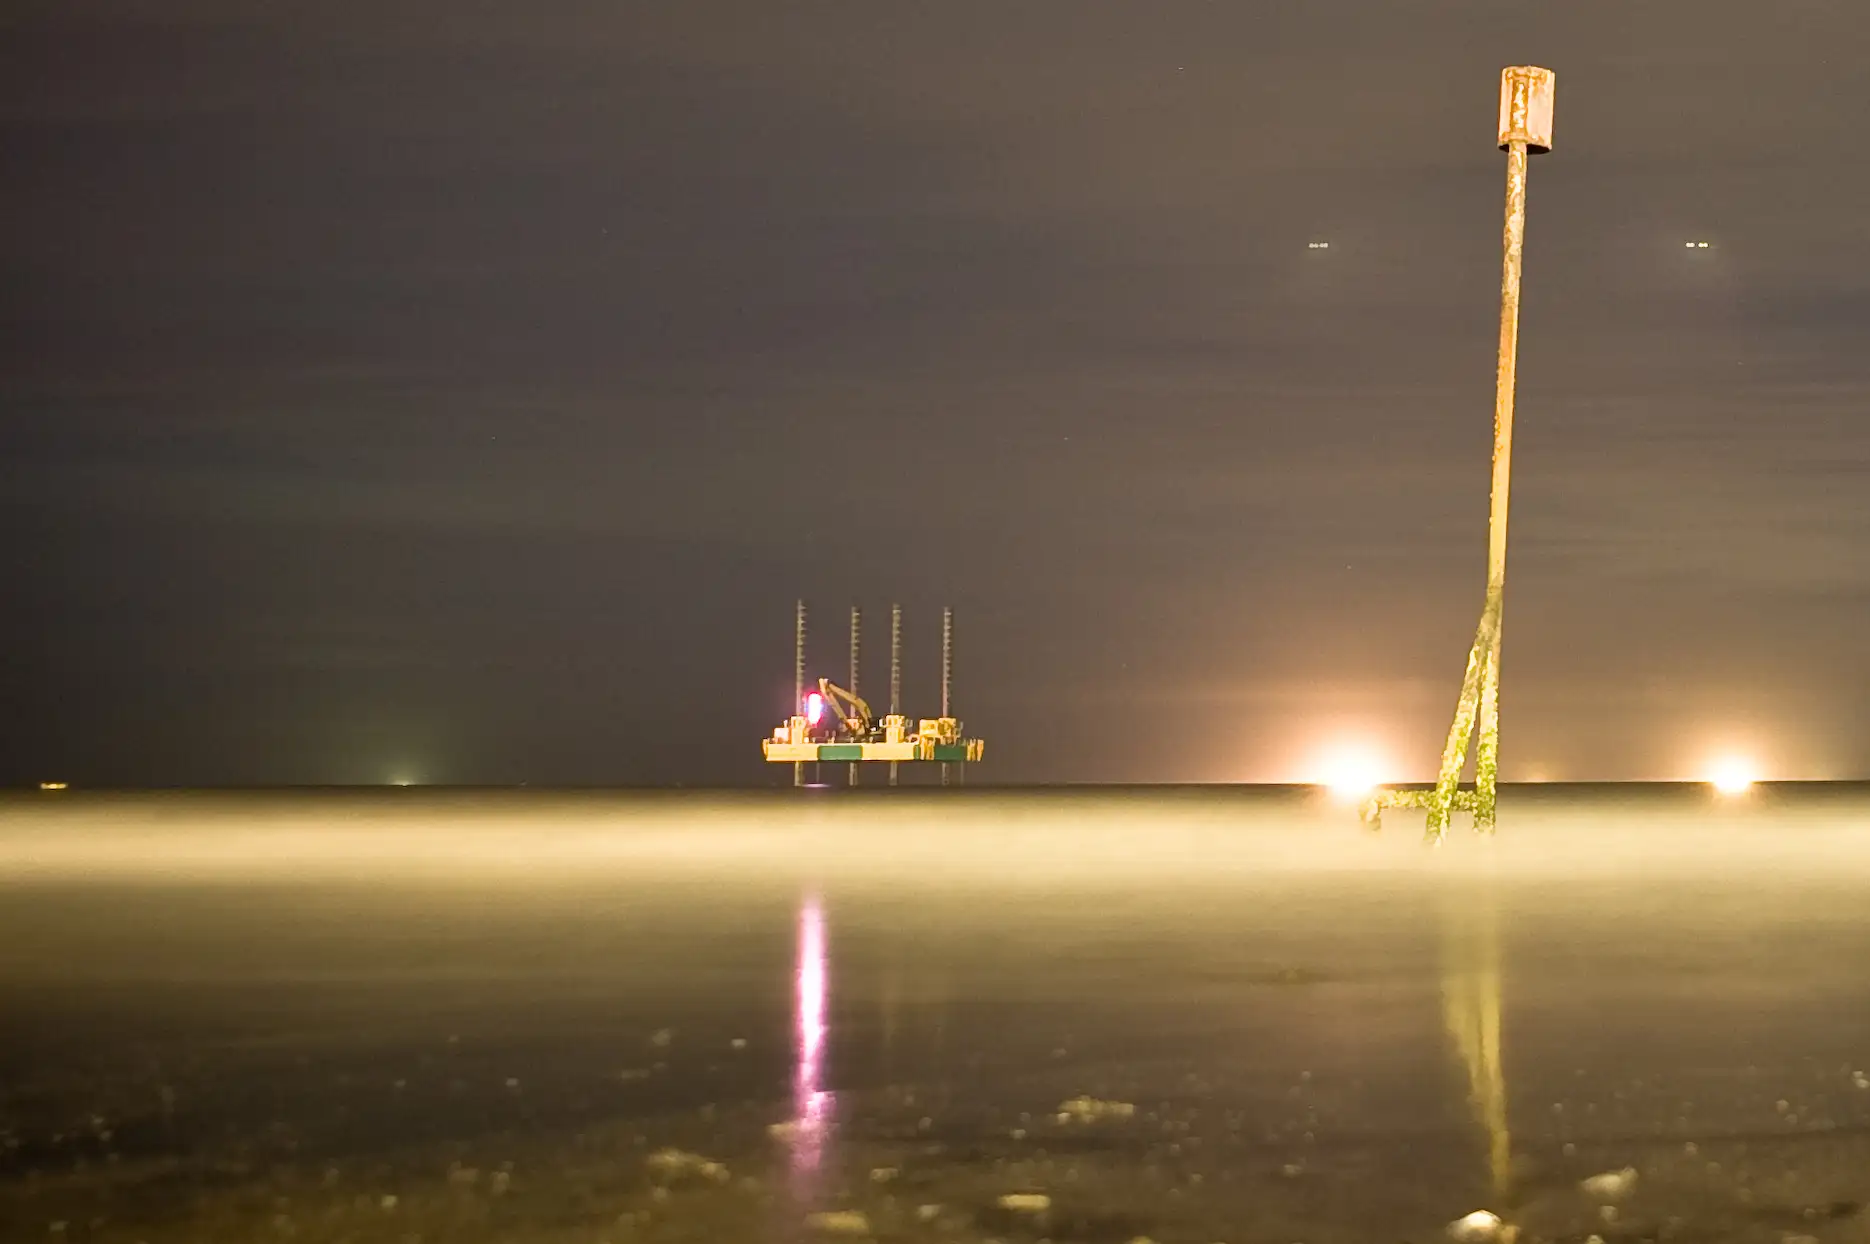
[464,392]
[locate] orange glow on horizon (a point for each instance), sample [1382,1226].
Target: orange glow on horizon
[1732,775]
[1350,769]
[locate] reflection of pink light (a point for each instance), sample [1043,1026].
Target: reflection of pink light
[811,982]
[811,1104]
[814,707]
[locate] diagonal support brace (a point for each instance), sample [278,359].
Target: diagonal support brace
[1478,706]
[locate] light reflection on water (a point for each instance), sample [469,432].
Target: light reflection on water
[1471,1006]
[1308,1020]
[812,1104]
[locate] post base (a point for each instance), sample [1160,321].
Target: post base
[1478,800]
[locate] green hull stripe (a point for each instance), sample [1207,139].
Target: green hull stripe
[840,753]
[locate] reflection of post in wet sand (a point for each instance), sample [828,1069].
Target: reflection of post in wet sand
[811,1103]
[1471,1008]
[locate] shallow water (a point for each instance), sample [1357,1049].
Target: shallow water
[482,1015]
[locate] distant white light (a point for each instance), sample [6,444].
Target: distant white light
[1693,246]
[1349,771]
[1733,775]
[1318,246]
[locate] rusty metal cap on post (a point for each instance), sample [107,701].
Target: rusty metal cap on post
[1526,107]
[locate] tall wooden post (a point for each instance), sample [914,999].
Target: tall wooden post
[1526,94]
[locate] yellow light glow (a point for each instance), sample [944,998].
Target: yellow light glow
[1349,771]
[1733,775]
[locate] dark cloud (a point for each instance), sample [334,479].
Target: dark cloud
[472,388]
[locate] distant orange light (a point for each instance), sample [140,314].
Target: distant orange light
[1732,775]
[1349,771]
